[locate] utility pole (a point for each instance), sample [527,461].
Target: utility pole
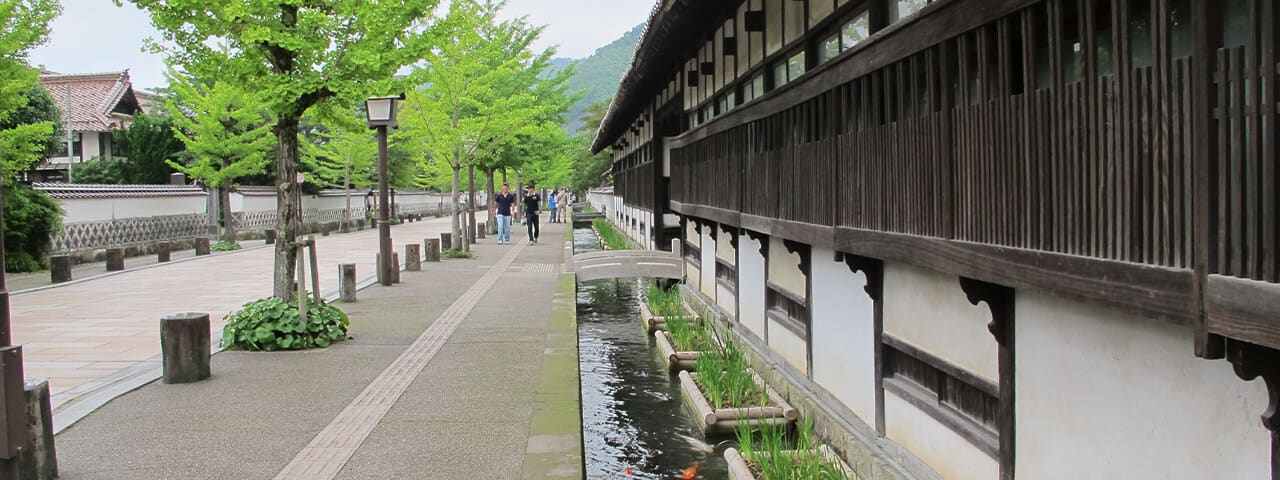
[70,133]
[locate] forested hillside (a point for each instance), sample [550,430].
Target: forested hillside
[597,76]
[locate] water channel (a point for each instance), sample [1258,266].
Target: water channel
[634,425]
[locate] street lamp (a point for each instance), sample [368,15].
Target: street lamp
[381,115]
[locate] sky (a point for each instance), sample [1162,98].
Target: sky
[96,36]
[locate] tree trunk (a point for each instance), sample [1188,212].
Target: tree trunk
[453,198]
[346,187]
[228,225]
[471,207]
[288,206]
[489,205]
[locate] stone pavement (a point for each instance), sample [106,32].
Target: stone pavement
[466,371]
[94,334]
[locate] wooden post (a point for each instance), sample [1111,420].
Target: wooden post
[481,231]
[39,460]
[60,268]
[301,282]
[164,251]
[347,282]
[446,241]
[315,269]
[377,265]
[413,257]
[271,237]
[395,267]
[433,249]
[324,229]
[202,246]
[115,259]
[184,347]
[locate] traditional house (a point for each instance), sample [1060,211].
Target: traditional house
[982,239]
[99,103]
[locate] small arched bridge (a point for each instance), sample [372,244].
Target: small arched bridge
[625,263]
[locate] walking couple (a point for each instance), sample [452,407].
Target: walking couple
[505,202]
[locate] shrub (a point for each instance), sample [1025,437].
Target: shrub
[225,246]
[99,171]
[610,236]
[271,324]
[31,217]
[454,254]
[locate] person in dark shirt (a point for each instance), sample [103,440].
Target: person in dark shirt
[531,214]
[505,201]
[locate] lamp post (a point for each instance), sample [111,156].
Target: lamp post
[381,115]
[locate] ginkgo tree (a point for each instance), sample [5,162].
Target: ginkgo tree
[343,154]
[226,135]
[24,24]
[294,54]
[484,86]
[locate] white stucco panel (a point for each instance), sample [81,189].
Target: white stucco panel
[1125,397]
[751,285]
[929,311]
[844,360]
[726,299]
[949,454]
[691,234]
[724,247]
[784,268]
[693,275]
[709,262]
[789,346]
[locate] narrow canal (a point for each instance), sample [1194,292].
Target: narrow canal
[634,425]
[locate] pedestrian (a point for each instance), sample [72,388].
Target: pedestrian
[531,214]
[564,204]
[551,203]
[504,201]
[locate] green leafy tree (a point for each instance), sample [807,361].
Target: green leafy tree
[40,109]
[101,171]
[344,155]
[149,144]
[31,217]
[226,138]
[295,54]
[24,24]
[589,169]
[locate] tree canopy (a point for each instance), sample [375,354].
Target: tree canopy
[226,136]
[24,24]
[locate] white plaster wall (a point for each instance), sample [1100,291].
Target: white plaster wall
[724,248]
[99,209]
[1125,397]
[751,285]
[709,262]
[949,454]
[789,346]
[929,311]
[89,146]
[726,299]
[843,323]
[784,268]
[693,275]
[257,203]
[691,234]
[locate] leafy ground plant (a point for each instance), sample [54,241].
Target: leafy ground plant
[610,236]
[665,302]
[688,334]
[225,246]
[725,380]
[454,254]
[772,455]
[271,324]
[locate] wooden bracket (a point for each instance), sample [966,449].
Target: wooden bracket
[1253,361]
[873,269]
[1000,299]
[802,250]
[733,238]
[762,238]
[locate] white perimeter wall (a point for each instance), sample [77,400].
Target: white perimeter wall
[1102,394]
[784,268]
[99,209]
[751,285]
[929,311]
[843,326]
[709,261]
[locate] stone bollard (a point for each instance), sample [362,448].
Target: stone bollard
[164,251]
[347,282]
[184,346]
[433,249]
[480,233]
[324,229]
[60,268]
[446,241]
[202,246]
[271,237]
[413,257]
[346,227]
[395,267]
[373,224]
[115,259]
[38,460]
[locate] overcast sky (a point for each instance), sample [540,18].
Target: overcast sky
[97,36]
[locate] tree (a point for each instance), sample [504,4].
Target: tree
[40,108]
[149,144]
[101,171]
[226,138]
[344,156]
[23,25]
[589,169]
[294,54]
[484,87]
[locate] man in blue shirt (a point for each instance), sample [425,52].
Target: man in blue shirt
[505,201]
[551,203]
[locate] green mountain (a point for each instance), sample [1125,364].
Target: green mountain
[598,75]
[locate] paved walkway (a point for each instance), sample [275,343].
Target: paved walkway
[466,371]
[87,336]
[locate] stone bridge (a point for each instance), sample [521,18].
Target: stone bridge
[625,263]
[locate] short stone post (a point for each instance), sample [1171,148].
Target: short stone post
[39,460]
[346,227]
[347,282]
[164,251]
[202,246]
[413,257]
[433,249]
[446,241]
[184,347]
[480,232]
[115,259]
[395,267]
[271,237]
[324,229]
[60,268]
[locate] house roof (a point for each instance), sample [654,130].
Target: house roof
[675,29]
[67,191]
[100,102]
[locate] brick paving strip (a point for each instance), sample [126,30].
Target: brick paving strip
[330,450]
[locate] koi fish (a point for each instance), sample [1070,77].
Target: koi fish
[690,472]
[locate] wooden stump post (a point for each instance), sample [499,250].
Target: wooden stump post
[395,267]
[324,229]
[346,227]
[446,241]
[433,249]
[480,233]
[60,268]
[413,257]
[115,259]
[347,282]
[38,460]
[164,251]
[202,246]
[184,346]
[271,237]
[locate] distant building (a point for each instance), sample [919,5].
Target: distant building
[99,103]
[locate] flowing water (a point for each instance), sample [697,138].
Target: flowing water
[634,425]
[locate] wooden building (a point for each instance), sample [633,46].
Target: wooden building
[988,238]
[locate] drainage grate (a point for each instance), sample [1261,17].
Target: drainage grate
[538,268]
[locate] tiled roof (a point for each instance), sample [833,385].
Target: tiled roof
[65,191]
[93,98]
[256,191]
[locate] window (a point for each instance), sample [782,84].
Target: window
[795,65]
[906,8]
[951,396]
[854,31]
[829,48]
[780,74]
